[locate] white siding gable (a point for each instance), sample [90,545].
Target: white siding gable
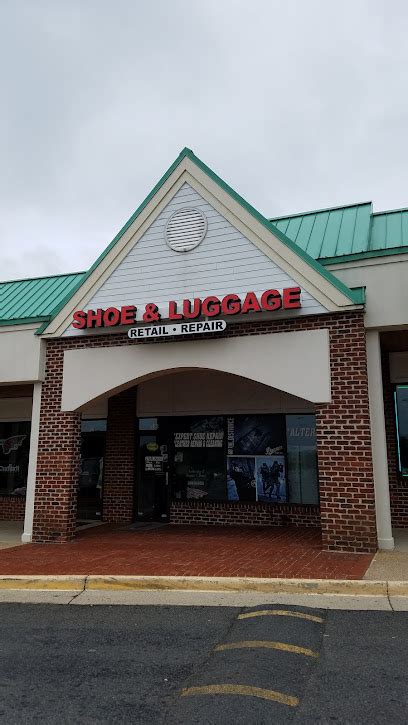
[223,263]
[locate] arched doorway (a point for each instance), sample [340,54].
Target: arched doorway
[208,447]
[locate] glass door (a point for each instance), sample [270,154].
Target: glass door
[153,471]
[93,434]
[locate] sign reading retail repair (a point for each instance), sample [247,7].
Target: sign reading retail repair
[271,300]
[185,328]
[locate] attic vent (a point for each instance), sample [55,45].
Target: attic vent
[185,229]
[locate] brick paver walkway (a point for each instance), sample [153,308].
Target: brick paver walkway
[188,551]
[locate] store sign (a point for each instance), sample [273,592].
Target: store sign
[271,300]
[186,328]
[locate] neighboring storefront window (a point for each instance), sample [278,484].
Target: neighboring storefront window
[14,454]
[248,458]
[93,433]
[401,412]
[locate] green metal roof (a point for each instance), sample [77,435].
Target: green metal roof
[389,229]
[33,300]
[347,232]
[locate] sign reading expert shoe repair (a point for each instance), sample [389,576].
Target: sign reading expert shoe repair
[210,307]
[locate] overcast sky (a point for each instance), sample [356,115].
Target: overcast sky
[298,104]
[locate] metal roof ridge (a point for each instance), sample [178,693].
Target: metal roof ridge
[389,211]
[46,276]
[319,211]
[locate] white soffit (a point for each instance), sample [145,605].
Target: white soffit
[297,363]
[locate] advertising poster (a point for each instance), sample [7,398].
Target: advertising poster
[271,479]
[241,481]
[256,435]
[199,458]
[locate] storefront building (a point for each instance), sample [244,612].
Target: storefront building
[213,367]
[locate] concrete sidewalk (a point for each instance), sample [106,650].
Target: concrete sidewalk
[10,534]
[76,595]
[391,565]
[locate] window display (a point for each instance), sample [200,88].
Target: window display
[241,478]
[271,478]
[14,454]
[256,445]
[199,458]
[256,435]
[266,458]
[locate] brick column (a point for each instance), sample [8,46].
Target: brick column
[56,486]
[119,462]
[346,481]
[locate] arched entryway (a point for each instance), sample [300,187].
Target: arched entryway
[202,446]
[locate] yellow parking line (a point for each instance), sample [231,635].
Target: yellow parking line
[266,644]
[280,613]
[242,690]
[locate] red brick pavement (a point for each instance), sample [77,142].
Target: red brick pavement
[188,551]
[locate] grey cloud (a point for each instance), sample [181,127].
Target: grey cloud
[297,105]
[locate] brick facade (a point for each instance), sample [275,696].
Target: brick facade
[346,481]
[398,485]
[119,461]
[342,428]
[244,514]
[12,508]
[58,458]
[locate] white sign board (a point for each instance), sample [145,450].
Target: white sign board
[184,328]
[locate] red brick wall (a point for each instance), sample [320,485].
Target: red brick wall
[398,485]
[12,508]
[347,504]
[343,434]
[119,462]
[197,512]
[58,457]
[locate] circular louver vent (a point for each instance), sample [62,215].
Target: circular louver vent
[185,229]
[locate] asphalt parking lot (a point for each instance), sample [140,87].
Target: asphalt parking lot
[182,664]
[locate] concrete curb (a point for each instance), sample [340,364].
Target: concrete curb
[207,584]
[44,583]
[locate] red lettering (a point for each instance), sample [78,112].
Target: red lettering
[250,304]
[191,314]
[291,298]
[127,315]
[79,320]
[211,307]
[271,300]
[231,305]
[94,319]
[173,314]
[111,317]
[151,313]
